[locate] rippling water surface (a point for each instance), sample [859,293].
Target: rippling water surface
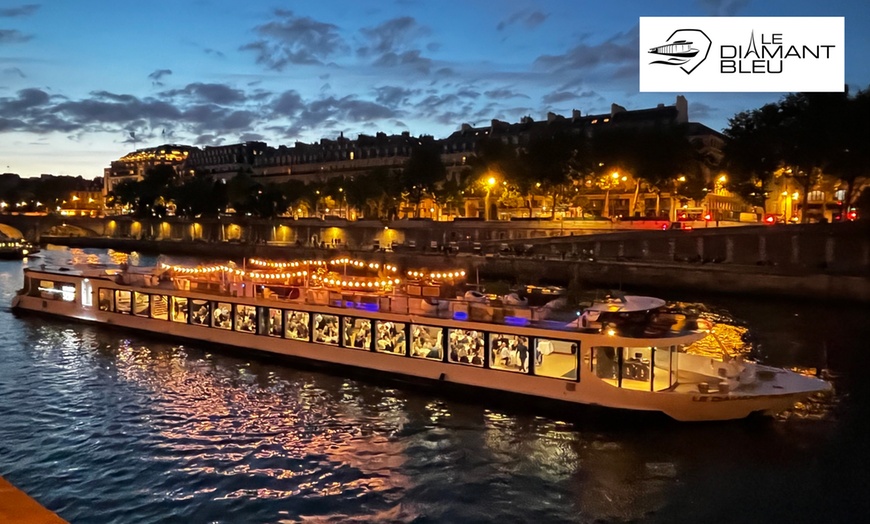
[105,426]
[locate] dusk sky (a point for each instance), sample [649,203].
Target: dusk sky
[80,79]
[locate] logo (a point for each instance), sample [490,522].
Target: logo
[687,48]
[742,54]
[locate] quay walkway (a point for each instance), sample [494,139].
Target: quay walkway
[17,508]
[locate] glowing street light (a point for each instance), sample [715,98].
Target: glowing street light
[490,183]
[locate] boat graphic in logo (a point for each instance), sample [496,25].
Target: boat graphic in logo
[685,48]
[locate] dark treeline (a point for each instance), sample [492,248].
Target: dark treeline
[43,194]
[818,141]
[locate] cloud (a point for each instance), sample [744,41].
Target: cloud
[394,96]
[157,75]
[27,99]
[288,104]
[409,59]
[559,96]
[23,10]
[14,71]
[208,140]
[220,94]
[392,36]
[699,110]
[723,7]
[329,112]
[297,40]
[529,19]
[503,94]
[251,137]
[392,44]
[608,58]
[214,52]
[13,36]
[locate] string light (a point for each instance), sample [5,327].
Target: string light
[436,275]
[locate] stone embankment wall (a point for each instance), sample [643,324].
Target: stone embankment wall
[817,262]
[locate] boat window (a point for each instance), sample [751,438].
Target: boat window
[140,304]
[246,318]
[357,333]
[391,337]
[122,301]
[159,307]
[296,325]
[276,322]
[556,358]
[664,367]
[427,342]
[179,309]
[465,346]
[325,329]
[636,369]
[87,293]
[57,290]
[106,301]
[505,352]
[201,312]
[604,363]
[220,317]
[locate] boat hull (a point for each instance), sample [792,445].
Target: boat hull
[445,376]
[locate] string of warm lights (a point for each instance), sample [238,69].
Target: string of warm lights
[282,265]
[436,275]
[346,261]
[184,270]
[355,282]
[362,264]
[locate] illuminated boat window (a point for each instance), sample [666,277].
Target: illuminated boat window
[220,317]
[200,312]
[159,307]
[427,342]
[390,337]
[465,346]
[276,322]
[325,329]
[106,299]
[357,333]
[179,309]
[123,301]
[556,358]
[508,352]
[246,318]
[296,325]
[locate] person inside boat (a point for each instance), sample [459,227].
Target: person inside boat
[522,354]
[606,362]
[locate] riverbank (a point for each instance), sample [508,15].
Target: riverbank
[726,279]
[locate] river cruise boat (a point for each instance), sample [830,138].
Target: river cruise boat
[367,316]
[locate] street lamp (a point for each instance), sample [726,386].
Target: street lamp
[490,183]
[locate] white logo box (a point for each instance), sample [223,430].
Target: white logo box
[743,54]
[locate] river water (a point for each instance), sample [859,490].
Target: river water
[104,426]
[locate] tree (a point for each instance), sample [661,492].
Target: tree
[752,155]
[549,159]
[199,196]
[423,172]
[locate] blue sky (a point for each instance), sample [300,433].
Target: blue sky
[79,80]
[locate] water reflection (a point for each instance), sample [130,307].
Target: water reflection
[284,434]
